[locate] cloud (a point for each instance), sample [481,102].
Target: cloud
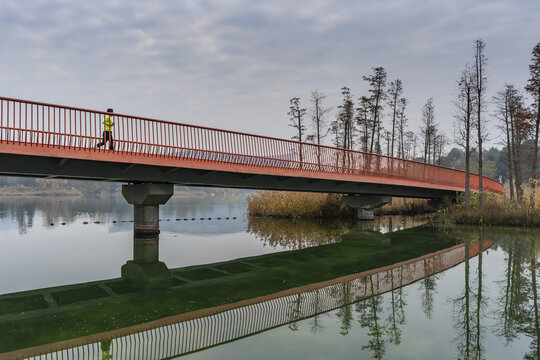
[235,64]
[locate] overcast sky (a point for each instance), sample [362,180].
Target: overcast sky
[235,64]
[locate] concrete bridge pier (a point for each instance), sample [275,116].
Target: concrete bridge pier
[365,204]
[146,199]
[145,270]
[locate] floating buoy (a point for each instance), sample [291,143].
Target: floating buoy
[192,218]
[63,224]
[85,222]
[52,224]
[219,218]
[234,217]
[209,218]
[114,221]
[97,222]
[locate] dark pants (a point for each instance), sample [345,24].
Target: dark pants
[107,136]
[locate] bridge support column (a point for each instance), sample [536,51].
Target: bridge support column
[365,204]
[145,270]
[146,199]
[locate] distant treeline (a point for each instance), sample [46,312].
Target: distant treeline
[35,186]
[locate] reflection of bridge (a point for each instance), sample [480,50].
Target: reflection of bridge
[197,330]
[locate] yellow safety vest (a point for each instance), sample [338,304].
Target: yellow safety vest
[108,123]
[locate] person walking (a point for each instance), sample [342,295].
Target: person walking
[107,133]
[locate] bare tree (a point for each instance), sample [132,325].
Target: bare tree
[502,101]
[428,128]
[533,88]
[377,83]
[410,145]
[402,124]
[345,118]
[363,121]
[394,92]
[318,116]
[464,123]
[297,114]
[479,85]
[517,121]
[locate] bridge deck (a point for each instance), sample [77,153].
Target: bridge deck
[45,140]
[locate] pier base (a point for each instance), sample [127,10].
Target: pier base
[365,204]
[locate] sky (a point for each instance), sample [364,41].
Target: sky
[234,64]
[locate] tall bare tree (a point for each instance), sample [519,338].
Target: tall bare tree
[318,119]
[345,118]
[402,125]
[479,85]
[517,122]
[377,83]
[502,101]
[363,121]
[297,114]
[533,88]
[394,93]
[429,128]
[318,116]
[464,123]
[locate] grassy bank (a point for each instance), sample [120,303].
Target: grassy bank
[287,204]
[497,210]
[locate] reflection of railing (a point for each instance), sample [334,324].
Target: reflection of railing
[201,329]
[45,125]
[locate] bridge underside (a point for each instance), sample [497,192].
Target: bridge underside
[118,171]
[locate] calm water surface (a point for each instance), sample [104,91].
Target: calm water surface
[435,303]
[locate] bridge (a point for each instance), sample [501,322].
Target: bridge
[53,141]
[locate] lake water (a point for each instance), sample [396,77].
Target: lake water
[239,288]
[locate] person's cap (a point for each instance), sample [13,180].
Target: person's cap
[109,110]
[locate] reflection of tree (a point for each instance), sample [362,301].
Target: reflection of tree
[345,311]
[396,317]
[316,326]
[480,302]
[519,294]
[468,308]
[428,285]
[295,314]
[514,296]
[297,233]
[534,330]
[369,317]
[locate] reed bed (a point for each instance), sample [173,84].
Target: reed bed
[288,204]
[403,206]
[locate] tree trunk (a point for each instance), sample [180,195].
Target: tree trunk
[535,159]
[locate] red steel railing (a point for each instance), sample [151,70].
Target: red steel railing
[39,124]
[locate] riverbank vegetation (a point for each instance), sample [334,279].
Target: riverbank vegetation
[495,210]
[289,204]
